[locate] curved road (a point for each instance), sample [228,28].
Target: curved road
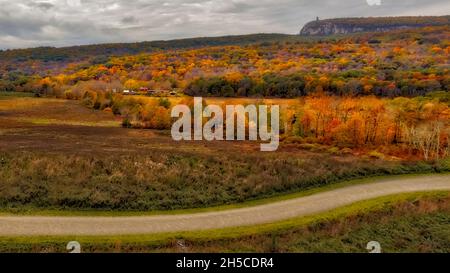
[302,206]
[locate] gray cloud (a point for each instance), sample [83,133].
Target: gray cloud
[129,20]
[41,5]
[27,23]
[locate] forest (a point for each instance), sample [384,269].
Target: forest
[45,61]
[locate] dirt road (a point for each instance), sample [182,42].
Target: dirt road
[302,206]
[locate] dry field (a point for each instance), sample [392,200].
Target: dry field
[58,154]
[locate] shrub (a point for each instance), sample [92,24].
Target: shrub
[126,123]
[97,105]
[333,150]
[89,98]
[69,95]
[107,109]
[376,155]
[346,151]
[164,103]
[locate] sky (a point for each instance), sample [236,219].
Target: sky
[30,23]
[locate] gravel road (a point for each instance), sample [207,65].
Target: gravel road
[267,213]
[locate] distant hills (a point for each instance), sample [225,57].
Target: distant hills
[44,61]
[100,51]
[370,24]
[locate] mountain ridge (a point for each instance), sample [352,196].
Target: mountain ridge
[370,24]
[47,53]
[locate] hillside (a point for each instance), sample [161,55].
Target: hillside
[403,63]
[45,60]
[119,49]
[372,24]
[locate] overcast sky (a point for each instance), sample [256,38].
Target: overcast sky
[28,23]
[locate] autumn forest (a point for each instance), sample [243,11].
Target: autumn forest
[387,92]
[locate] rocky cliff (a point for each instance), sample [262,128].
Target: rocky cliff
[372,24]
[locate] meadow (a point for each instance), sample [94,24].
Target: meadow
[61,155]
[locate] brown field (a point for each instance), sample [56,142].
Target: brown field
[59,154]
[47,124]
[33,111]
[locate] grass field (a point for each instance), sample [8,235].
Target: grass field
[60,155]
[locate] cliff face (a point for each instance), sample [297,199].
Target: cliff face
[375,24]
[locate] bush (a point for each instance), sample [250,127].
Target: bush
[107,109]
[376,155]
[97,105]
[89,98]
[69,95]
[333,150]
[164,103]
[126,123]
[346,151]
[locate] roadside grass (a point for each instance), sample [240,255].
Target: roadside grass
[370,211]
[33,211]
[171,180]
